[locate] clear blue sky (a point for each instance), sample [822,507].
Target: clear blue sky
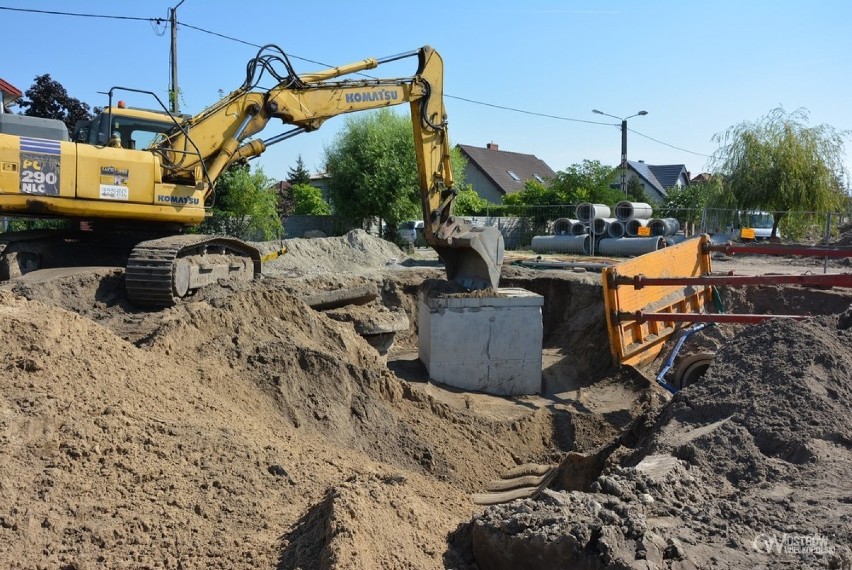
[697,67]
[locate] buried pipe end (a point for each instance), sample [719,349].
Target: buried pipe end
[692,368]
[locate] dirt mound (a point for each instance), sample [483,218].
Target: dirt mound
[845,237]
[356,252]
[228,423]
[326,536]
[745,468]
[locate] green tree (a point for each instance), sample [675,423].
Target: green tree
[298,174]
[535,194]
[469,203]
[372,169]
[588,181]
[246,205]
[686,203]
[308,201]
[635,191]
[47,98]
[779,163]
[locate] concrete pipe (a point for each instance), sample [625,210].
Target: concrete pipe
[664,226]
[615,229]
[626,247]
[674,240]
[691,368]
[600,226]
[586,212]
[560,244]
[579,229]
[626,210]
[562,226]
[631,227]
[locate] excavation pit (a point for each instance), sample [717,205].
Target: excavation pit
[481,341]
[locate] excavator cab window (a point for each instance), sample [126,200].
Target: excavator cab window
[131,132]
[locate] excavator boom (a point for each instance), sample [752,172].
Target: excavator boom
[473,256]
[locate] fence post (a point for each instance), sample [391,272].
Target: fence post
[827,237]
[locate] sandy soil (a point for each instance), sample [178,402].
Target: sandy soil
[243,429]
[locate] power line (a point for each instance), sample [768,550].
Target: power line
[667,144]
[448,96]
[238,40]
[504,108]
[81,15]
[185,25]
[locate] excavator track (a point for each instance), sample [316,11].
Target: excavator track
[161,271]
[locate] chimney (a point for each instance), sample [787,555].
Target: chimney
[492,146]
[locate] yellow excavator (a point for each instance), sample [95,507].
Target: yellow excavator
[139,178]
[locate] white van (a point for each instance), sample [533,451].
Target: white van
[408,230]
[760,222]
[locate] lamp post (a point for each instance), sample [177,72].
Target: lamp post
[623,143]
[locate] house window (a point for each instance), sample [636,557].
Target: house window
[539,178]
[513,175]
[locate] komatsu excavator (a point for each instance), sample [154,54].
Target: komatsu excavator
[140,178]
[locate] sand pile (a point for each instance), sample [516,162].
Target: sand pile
[242,429]
[239,432]
[748,467]
[353,253]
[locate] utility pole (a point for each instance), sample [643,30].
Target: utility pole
[623,143]
[624,156]
[174,91]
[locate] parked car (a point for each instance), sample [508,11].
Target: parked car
[408,231]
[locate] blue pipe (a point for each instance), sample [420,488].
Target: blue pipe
[670,360]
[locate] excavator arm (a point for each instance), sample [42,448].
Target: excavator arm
[208,143]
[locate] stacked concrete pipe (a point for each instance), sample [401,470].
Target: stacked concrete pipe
[579,229]
[615,229]
[664,226]
[561,244]
[562,226]
[626,247]
[631,227]
[587,212]
[626,211]
[600,226]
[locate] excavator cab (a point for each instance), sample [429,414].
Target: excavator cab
[130,128]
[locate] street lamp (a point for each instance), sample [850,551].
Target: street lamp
[623,143]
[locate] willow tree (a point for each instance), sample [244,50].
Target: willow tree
[779,163]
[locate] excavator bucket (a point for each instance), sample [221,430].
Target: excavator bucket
[473,258]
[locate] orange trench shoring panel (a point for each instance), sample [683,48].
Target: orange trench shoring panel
[637,343]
